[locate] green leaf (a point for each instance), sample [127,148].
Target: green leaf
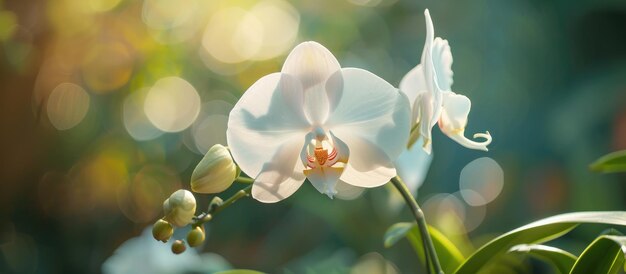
[396,232]
[537,232]
[560,259]
[449,255]
[604,255]
[612,162]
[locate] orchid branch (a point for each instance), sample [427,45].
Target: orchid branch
[429,248]
[244,192]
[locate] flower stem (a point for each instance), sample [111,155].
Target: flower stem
[429,248]
[244,192]
[238,195]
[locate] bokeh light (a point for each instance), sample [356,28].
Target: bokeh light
[210,127]
[236,34]
[445,211]
[172,104]
[136,122]
[93,183]
[280,22]
[373,263]
[164,14]
[474,214]
[67,105]
[233,35]
[481,181]
[107,66]
[142,198]
[172,21]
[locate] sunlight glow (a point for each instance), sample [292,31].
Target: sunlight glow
[172,104]
[67,105]
[481,181]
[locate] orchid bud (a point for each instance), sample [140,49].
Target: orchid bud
[196,236]
[180,208]
[215,172]
[178,247]
[162,230]
[215,203]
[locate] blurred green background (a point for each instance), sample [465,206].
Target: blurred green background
[107,105]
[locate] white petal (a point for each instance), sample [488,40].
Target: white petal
[453,120]
[456,108]
[282,176]
[430,102]
[262,121]
[347,191]
[413,84]
[442,61]
[320,74]
[412,166]
[373,120]
[325,179]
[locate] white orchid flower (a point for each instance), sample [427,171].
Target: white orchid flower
[319,121]
[428,89]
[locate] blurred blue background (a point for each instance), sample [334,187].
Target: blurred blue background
[107,105]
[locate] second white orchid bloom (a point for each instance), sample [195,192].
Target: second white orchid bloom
[428,88]
[319,121]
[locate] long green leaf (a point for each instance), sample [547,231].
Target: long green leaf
[604,255]
[612,162]
[538,232]
[449,255]
[396,232]
[560,259]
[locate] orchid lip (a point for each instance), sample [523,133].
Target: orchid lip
[320,151]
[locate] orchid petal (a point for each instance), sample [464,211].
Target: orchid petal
[324,179]
[320,75]
[453,120]
[413,85]
[430,103]
[412,166]
[372,118]
[282,176]
[442,62]
[261,121]
[347,191]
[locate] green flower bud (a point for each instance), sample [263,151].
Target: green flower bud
[215,172]
[215,202]
[180,208]
[178,247]
[162,230]
[196,236]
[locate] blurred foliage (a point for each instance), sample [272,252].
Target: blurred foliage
[106,106]
[612,162]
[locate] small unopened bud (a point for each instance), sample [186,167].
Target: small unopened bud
[215,172]
[180,208]
[162,230]
[215,202]
[178,247]
[196,236]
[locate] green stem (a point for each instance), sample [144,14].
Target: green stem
[244,180]
[238,195]
[429,247]
[244,192]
